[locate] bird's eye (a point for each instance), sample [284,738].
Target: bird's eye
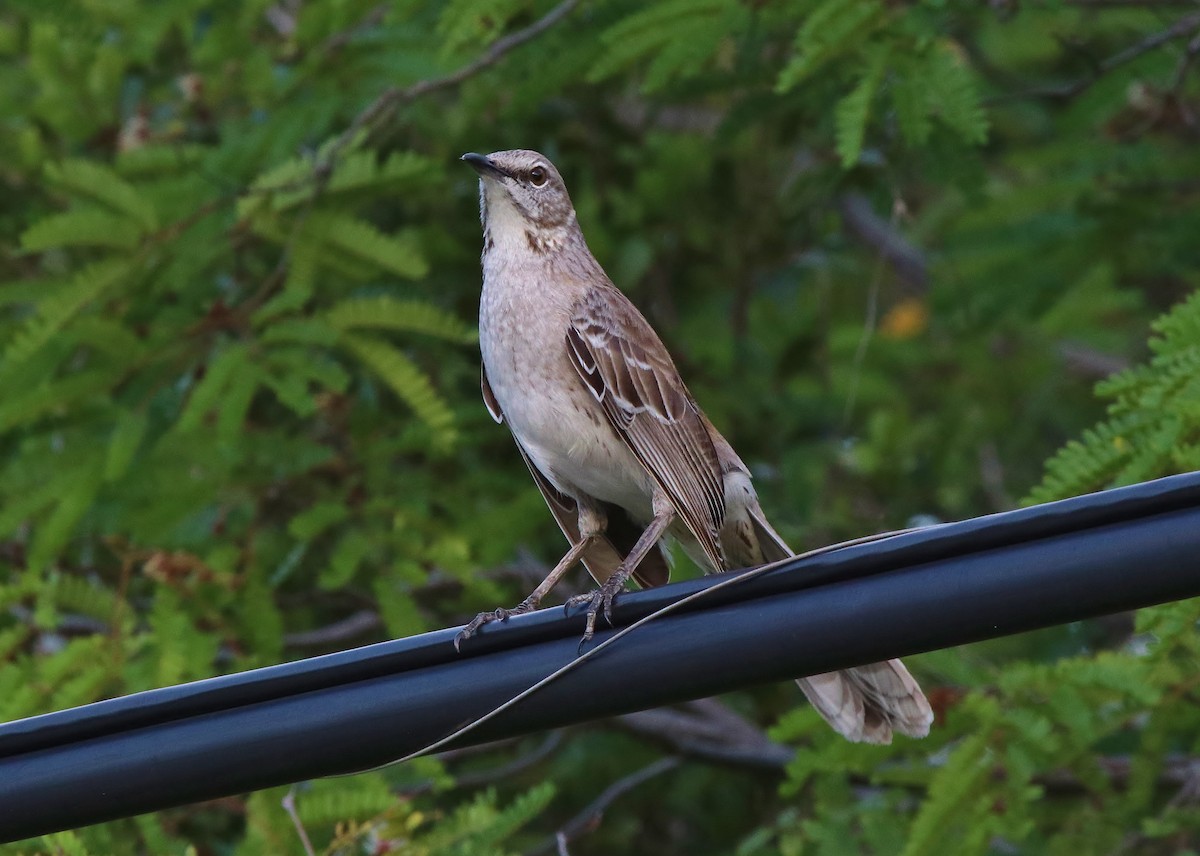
[537,176]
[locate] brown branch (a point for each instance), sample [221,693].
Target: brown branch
[331,635]
[991,477]
[1088,361]
[383,106]
[339,40]
[517,765]
[904,257]
[1185,26]
[289,805]
[590,817]
[710,730]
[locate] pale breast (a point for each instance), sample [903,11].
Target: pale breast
[522,336]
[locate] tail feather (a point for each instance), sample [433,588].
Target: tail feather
[867,704]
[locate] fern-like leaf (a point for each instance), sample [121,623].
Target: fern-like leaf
[57,309]
[358,239]
[407,381]
[952,95]
[53,533]
[90,180]
[292,183]
[81,227]
[1153,427]
[680,35]
[123,444]
[410,316]
[833,29]
[854,111]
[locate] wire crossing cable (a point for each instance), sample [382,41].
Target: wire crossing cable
[949,585]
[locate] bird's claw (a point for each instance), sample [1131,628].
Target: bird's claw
[600,600]
[497,614]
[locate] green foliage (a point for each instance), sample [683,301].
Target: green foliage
[1153,427]
[241,395]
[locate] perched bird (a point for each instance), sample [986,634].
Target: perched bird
[619,448]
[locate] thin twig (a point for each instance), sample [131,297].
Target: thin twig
[904,257]
[712,731]
[1180,77]
[351,627]
[869,323]
[1183,27]
[1088,361]
[289,805]
[340,39]
[517,765]
[393,97]
[592,814]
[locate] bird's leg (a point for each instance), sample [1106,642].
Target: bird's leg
[602,598]
[591,526]
[532,602]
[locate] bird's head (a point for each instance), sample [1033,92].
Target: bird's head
[520,191]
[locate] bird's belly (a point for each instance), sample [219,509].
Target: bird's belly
[570,441]
[550,411]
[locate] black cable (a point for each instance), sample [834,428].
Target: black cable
[949,585]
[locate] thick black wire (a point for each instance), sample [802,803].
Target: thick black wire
[956,583]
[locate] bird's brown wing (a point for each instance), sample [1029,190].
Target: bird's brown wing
[604,555]
[627,368]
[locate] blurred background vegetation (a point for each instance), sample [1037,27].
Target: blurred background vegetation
[893,246]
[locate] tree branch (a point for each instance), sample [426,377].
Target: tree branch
[710,730]
[904,257]
[331,635]
[1185,26]
[393,97]
[590,817]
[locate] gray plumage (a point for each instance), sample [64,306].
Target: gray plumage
[612,436]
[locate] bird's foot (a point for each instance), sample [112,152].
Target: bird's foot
[497,614]
[600,600]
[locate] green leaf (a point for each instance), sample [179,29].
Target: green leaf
[407,381]
[309,331]
[679,36]
[952,95]
[388,313]
[908,91]
[51,535]
[232,361]
[58,308]
[88,179]
[314,520]
[124,442]
[832,30]
[291,183]
[82,227]
[398,254]
[351,549]
[854,111]
[299,285]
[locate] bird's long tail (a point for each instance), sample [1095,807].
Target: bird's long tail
[866,704]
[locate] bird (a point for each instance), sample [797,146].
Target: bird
[615,442]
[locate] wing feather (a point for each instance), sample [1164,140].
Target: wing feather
[627,368]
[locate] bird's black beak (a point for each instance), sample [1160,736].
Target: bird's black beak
[483,165]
